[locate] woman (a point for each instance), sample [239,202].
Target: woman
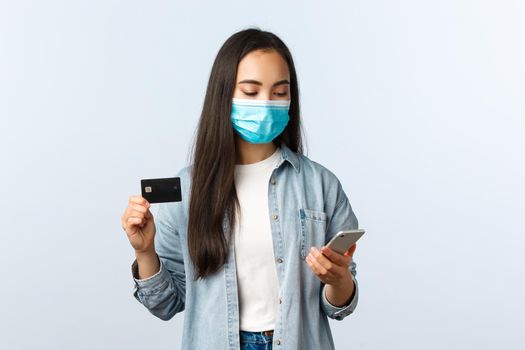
[241,253]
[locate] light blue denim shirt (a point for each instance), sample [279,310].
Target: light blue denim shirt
[306,207]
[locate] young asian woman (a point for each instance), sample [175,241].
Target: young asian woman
[244,253]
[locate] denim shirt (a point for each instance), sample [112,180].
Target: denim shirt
[306,207]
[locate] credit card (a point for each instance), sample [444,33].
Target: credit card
[161,190]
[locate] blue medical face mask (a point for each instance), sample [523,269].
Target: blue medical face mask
[259,121]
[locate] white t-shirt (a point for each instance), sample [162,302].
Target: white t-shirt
[256,272]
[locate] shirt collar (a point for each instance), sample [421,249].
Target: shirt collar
[289,156]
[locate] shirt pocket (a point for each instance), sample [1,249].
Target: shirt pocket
[313,229]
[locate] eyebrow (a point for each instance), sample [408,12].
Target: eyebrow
[256,82]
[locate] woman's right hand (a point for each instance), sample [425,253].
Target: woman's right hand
[139,225]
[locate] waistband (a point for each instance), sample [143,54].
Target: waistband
[267,333]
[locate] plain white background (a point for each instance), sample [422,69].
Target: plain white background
[417,106]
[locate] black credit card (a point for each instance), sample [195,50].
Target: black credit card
[161,190]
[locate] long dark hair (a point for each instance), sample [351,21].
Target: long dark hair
[213,195]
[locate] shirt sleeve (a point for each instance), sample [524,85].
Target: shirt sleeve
[342,218]
[340,312]
[163,294]
[147,284]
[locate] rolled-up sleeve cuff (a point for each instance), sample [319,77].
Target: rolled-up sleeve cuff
[341,312]
[150,284]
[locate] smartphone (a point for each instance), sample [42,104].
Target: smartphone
[343,240]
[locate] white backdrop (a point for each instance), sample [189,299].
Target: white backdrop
[417,106]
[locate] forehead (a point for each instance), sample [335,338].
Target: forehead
[264,66]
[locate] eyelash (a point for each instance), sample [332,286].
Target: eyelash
[255,93]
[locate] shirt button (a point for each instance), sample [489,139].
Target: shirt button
[278,342]
[272,180]
[280,300]
[280,260]
[275,216]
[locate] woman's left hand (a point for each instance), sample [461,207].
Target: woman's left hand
[331,267]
